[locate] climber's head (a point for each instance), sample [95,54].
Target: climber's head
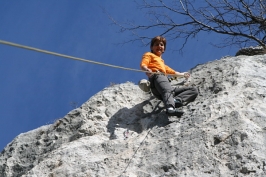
[158,45]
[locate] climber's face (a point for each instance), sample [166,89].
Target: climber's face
[158,48]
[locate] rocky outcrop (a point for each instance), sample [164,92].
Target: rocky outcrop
[122,131]
[251,51]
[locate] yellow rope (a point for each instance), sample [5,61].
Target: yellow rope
[67,56]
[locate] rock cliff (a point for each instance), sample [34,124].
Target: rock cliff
[122,131]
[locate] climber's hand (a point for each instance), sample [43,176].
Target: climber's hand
[186,75]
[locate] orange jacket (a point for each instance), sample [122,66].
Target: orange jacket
[155,63]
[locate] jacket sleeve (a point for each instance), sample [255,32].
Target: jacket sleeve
[169,70]
[145,60]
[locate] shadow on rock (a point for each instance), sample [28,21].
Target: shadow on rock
[143,116]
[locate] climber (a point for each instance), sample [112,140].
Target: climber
[156,70]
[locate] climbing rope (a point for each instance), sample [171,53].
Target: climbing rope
[67,56]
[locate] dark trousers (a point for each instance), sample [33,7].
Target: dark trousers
[162,89]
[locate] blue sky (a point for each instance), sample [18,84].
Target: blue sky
[37,89]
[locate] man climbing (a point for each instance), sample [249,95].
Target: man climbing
[160,86]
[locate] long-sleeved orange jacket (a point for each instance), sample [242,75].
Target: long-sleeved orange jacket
[155,63]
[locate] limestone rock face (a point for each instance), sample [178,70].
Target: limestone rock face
[122,131]
[251,51]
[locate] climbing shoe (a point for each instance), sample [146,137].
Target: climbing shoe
[178,103]
[174,112]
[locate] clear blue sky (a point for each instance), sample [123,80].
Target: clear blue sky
[36,89]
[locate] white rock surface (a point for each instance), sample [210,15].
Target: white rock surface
[122,131]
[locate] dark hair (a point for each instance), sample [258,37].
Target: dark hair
[160,39]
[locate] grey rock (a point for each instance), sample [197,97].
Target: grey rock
[251,51]
[123,131]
